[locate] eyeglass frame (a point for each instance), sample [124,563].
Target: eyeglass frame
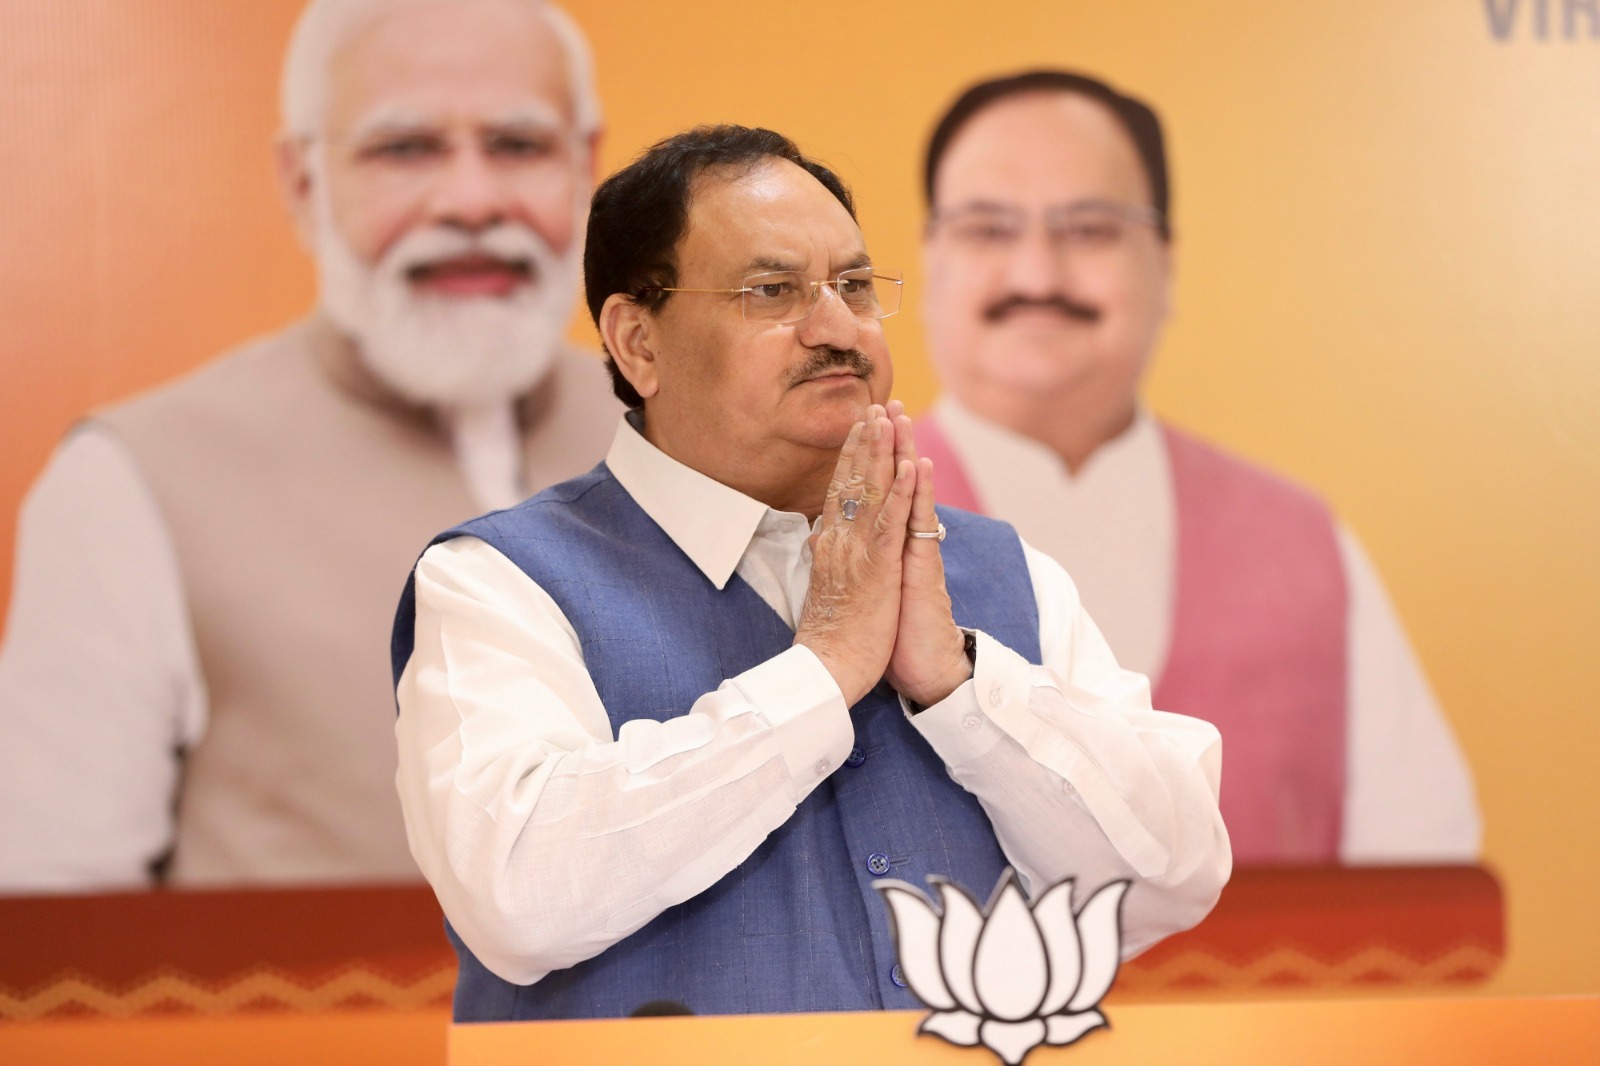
[816,288]
[1134,214]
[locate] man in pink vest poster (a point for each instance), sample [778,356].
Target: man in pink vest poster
[1048,258]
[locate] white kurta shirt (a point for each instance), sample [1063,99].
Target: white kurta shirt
[549,836]
[1113,525]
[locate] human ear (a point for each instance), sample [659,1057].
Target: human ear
[592,146]
[1169,270]
[626,330]
[292,156]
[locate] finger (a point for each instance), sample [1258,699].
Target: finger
[874,466]
[890,524]
[881,462]
[860,463]
[894,411]
[841,471]
[905,441]
[869,431]
[924,519]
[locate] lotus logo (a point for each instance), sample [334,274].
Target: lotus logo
[1009,977]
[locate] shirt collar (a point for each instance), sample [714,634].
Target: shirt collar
[712,523]
[1136,446]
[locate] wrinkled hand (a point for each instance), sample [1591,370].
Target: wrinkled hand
[929,660]
[852,609]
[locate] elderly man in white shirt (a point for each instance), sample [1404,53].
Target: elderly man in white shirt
[663,725]
[189,688]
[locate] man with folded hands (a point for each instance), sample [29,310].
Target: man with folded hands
[662,726]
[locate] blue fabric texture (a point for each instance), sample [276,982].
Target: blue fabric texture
[796,926]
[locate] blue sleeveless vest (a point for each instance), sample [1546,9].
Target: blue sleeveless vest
[796,926]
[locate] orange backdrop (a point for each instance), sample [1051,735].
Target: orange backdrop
[1389,241]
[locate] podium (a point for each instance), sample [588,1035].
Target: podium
[1462,1032]
[340,975]
[1297,930]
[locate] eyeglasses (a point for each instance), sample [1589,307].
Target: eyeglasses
[1089,225]
[784,296]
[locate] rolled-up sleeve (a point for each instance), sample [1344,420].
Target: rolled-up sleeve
[1080,776]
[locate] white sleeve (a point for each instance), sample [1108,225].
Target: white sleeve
[1408,792]
[1080,777]
[546,836]
[99,684]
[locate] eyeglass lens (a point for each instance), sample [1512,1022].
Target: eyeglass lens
[1083,225]
[787,297]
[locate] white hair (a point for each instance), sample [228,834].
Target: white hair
[326,24]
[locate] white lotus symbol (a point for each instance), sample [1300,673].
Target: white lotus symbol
[1009,977]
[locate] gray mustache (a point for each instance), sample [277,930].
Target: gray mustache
[825,358]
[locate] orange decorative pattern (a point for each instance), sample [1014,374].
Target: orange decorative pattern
[262,990]
[1289,968]
[1333,929]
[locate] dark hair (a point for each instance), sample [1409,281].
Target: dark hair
[1136,116]
[640,213]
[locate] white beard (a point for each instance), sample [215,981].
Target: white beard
[451,352]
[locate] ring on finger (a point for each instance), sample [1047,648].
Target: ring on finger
[848,509]
[937,534]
